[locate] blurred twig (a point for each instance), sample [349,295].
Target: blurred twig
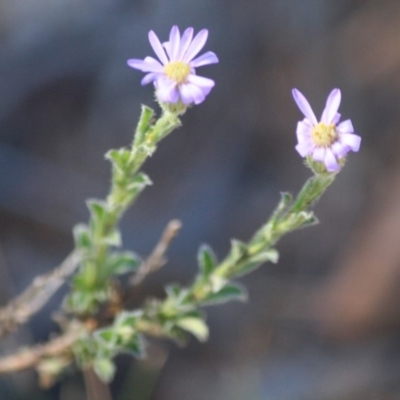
[32,356]
[157,257]
[30,301]
[95,388]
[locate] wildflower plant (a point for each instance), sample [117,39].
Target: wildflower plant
[96,322]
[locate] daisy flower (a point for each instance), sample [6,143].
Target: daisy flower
[326,141]
[174,75]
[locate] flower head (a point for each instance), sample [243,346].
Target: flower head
[174,76]
[325,141]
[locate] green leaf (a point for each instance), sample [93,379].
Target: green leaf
[207,260]
[196,326]
[230,292]
[97,208]
[271,255]
[119,158]
[139,182]
[106,335]
[238,250]
[104,368]
[83,237]
[121,263]
[135,346]
[144,124]
[113,238]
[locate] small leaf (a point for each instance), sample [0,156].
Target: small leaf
[106,335]
[271,255]
[196,326]
[135,346]
[143,125]
[104,368]
[207,260]
[113,238]
[98,209]
[230,292]
[119,157]
[173,290]
[121,263]
[82,236]
[139,182]
[238,249]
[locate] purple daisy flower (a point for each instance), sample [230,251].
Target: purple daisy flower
[174,76]
[325,141]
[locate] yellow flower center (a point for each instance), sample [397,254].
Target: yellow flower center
[177,71]
[324,135]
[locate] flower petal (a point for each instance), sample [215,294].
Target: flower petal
[157,47]
[201,81]
[339,149]
[304,106]
[303,131]
[351,140]
[185,42]
[336,118]
[207,58]
[191,93]
[330,161]
[145,65]
[197,44]
[332,106]
[304,148]
[166,90]
[319,154]
[174,42]
[152,76]
[345,127]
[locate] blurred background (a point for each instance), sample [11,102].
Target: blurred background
[322,324]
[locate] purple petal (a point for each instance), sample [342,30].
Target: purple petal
[303,131]
[174,42]
[207,58]
[201,81]
[336,118]
[185,42]
[332,106]
[304,106]
[304,148]
[145,65]
[330,161]
[197,44]
[351,140]
[157,47]
[191,93]
[345,127]
[166,90]
[319,154]
[152,76]
[339,149]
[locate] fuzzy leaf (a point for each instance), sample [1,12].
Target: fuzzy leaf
[104,368]
[113,238]
[196,326]
[82,236]
[134,346]
[144,124]
[121,263]
[230,292]
[97,208]
[207,260]
[271,255]
[238,249]
[119,157]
